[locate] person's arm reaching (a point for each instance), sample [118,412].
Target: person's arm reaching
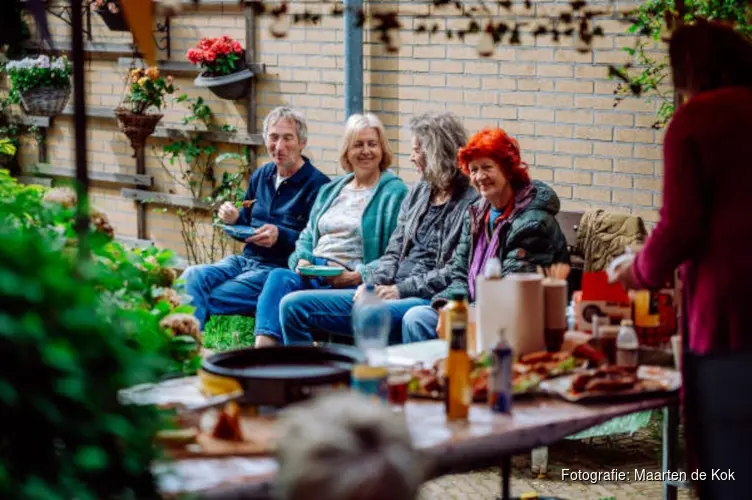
[679,233]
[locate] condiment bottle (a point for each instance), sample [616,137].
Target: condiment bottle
[500,386]
[627,345]
[459,390]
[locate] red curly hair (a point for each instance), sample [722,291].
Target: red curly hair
[499,146]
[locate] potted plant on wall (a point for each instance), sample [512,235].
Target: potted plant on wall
[111,14]
[41,85]
[146,90]
[223,67]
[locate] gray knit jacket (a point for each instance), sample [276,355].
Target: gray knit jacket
[384,270]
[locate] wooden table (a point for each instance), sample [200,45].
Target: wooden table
[485,439]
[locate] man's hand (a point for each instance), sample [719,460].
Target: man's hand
[358,292]
[228,213]
[301,263]
[440,325]
[387,292]
[345,280]
[265,236]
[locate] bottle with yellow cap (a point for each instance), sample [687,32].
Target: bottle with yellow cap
[459,390]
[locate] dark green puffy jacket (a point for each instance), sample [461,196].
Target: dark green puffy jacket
[528,238]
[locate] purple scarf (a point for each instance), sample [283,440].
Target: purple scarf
[484,250]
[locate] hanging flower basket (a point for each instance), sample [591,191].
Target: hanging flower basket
[224,70]
[137,127]
[45,101]
[145,90]
[41,84]
[111,14]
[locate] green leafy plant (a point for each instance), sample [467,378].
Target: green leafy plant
[43,71]
[147,89]
[649,74]
[134,280]
[73,333]
[7,147]
[67,353]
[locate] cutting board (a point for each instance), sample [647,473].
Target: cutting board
[259,434]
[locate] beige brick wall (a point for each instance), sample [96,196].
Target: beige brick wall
[557,101]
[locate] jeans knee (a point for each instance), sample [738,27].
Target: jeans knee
[289,308]
[281,276]
[419,323]
[192,275]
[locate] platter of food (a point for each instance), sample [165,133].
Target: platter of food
[528,372]
[613,382]
[229,431]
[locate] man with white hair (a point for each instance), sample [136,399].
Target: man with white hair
[277,203]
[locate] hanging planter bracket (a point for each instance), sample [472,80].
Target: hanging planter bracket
[162,37]
[61,9]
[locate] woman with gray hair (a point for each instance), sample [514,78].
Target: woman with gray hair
[416,264]
[344,446]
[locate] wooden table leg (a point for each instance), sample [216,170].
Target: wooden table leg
[670,444]
[506,471]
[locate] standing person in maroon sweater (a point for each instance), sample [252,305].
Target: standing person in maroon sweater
[705,226]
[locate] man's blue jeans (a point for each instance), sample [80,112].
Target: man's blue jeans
[420,324]
[231,286]
[331,311]
[280,283]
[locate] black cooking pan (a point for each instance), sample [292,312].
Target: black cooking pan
[278,376]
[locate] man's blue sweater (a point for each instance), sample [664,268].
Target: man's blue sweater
[287,208]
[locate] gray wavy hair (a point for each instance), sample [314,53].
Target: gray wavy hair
[343,446]
[440,135]
[285,113]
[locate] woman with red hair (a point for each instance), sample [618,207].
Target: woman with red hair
[513,221]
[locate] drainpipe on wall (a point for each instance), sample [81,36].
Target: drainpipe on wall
[353,58]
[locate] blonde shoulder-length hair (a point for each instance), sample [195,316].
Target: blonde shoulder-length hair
[356,123]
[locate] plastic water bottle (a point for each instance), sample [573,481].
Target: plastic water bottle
[371,322]
[627,345]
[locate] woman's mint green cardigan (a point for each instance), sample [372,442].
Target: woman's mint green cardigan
[378,222]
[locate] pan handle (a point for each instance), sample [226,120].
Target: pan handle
[212,402]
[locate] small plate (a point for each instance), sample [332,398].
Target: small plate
[320,271]
[240,233]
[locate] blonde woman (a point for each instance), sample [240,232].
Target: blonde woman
[351,222]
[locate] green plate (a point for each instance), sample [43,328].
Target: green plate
[320,271]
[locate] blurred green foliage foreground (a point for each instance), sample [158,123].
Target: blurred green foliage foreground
[71,335]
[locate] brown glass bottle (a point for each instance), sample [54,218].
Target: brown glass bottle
[459,390]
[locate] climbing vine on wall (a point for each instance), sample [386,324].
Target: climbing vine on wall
[192,163]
